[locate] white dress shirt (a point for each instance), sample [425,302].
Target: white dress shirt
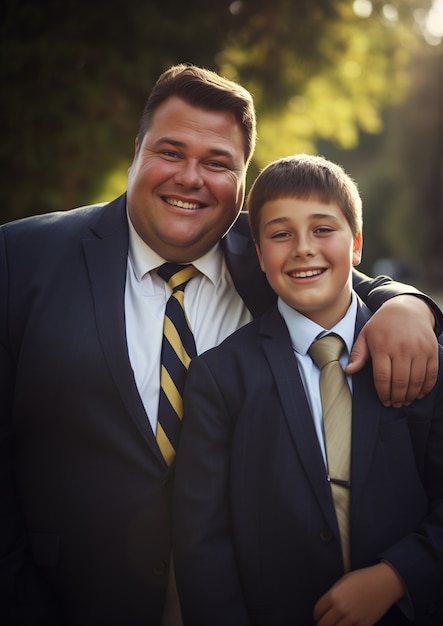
[212,304]
[303,332]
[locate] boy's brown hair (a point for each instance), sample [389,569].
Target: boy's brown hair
[207,90]
[305,177]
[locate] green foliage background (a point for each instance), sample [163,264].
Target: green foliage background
[365,91]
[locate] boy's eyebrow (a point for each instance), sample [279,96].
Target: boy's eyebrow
[276,220]
[283,219]
[321,216]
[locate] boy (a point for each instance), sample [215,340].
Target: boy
[257,535]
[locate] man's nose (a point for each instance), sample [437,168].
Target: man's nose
[189,174]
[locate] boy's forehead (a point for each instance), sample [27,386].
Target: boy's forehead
[294,209]
[297,204]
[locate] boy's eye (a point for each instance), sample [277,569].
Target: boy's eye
[324,229]
[280,235]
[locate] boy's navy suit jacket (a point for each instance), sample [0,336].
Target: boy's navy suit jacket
[254,527]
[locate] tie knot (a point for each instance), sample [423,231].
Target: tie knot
[176,275]
[326,350]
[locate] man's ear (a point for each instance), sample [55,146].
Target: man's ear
[136,150]
[357,249]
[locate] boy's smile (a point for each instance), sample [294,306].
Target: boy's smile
[307,250]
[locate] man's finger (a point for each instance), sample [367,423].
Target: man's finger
[400,382]
[424,372]
[359,354]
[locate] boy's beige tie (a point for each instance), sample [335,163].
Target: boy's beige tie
[178,348]
[337,422]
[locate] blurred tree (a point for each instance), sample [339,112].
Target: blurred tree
[400,175]
[414,218]
[403,182]
[75,76]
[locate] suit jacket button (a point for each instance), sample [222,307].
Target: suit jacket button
[160,568]
[326,535]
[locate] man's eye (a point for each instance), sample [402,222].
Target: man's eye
[216,165]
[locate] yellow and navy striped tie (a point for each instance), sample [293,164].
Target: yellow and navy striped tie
[178,348]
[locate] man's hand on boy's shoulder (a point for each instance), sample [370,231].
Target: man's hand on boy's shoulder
[400,340]
[360,597]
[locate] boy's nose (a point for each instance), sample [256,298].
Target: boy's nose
[303,247]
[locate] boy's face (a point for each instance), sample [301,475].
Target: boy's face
[307,251]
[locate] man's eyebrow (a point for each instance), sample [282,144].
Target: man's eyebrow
[182,144]
[173,142]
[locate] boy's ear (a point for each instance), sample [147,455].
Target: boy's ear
[260,258]
[357,249]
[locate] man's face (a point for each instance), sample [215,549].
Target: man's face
[187,180]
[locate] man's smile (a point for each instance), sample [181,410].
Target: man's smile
[181,204]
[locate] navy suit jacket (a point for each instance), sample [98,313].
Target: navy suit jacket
[255,533]
[84,490]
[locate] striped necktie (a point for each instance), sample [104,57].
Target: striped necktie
[337,423]
[178,348]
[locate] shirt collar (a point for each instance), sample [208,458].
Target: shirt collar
[304,331]
[144,259]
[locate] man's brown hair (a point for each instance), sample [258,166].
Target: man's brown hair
[207,90]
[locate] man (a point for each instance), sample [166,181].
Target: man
[85,489]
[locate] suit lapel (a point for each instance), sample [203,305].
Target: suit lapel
[106,257]
[366,414]
[366,411]
[242,261]
[283,364]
